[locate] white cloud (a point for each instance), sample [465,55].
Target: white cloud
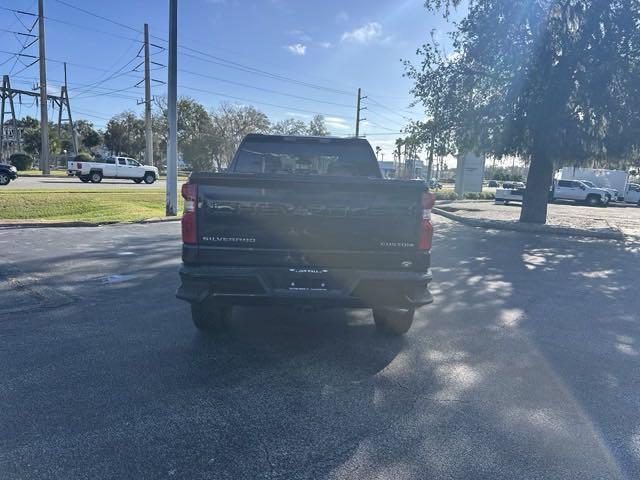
[337,123]
[342,16]
[325,44]
[368,33]
[297,49]
[296,114]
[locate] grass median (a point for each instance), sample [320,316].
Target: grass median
[82,206]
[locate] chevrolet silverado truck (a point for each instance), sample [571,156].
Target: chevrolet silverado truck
[114,167]
[305,221]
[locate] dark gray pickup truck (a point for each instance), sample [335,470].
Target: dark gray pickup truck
[305,221]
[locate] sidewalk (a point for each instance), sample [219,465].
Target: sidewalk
[563,219]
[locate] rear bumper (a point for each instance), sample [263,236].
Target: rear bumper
[277,286]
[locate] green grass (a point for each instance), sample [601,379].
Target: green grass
[79,205]
[55,173]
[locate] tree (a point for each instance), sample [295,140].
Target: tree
[289,126]
[554,82]
[89,137]
[317,127]
[196,139]
[32,140]
[230,125]
[125,134]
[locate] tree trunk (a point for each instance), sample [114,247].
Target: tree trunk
[432,147]
[536,197]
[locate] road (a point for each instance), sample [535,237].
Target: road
[72,183]
[525,367]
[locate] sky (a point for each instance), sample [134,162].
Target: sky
[288,58]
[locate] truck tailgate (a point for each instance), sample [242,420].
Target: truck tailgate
[309,220]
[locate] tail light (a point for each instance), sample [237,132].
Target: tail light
[79,166]
[426,227]
[190,195]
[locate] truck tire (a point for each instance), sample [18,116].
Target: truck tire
[4,179]
[84,179]
[149,178]
[95,177]
[594,200]
[137,180]
[210,319]
[393,321]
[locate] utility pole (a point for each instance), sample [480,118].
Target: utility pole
[72,128]
[358,110]
[147,99]
[44,118]
[172,97]
[8,93]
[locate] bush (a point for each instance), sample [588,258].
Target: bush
[21,161]
[479,196]
[83,157]
[446,196]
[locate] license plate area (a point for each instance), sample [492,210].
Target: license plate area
[306,280]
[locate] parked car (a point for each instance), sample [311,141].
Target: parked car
[493,184]
[115,167]
[513,185]
[577,191]
[612,192]
[7,173]
[305,221]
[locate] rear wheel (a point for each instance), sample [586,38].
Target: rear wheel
[393,321]
[137,180]
[593,200]
[149,178]
[4,179]
[210,319]
[95,177]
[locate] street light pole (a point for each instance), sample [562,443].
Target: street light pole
[172,97]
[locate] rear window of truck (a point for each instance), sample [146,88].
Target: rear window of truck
[299,157]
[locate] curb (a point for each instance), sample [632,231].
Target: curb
[9,226]
[529,227]
[35,175]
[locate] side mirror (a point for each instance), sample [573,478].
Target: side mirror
[583,187]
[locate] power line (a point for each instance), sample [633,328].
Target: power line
[385,118]
[101,17]
[215,59]
[242,99]
[240,84]
[373,100]
[91,29]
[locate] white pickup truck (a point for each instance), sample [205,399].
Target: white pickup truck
[114,167]
[578,191]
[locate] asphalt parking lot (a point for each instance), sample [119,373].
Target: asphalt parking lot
[525,367]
